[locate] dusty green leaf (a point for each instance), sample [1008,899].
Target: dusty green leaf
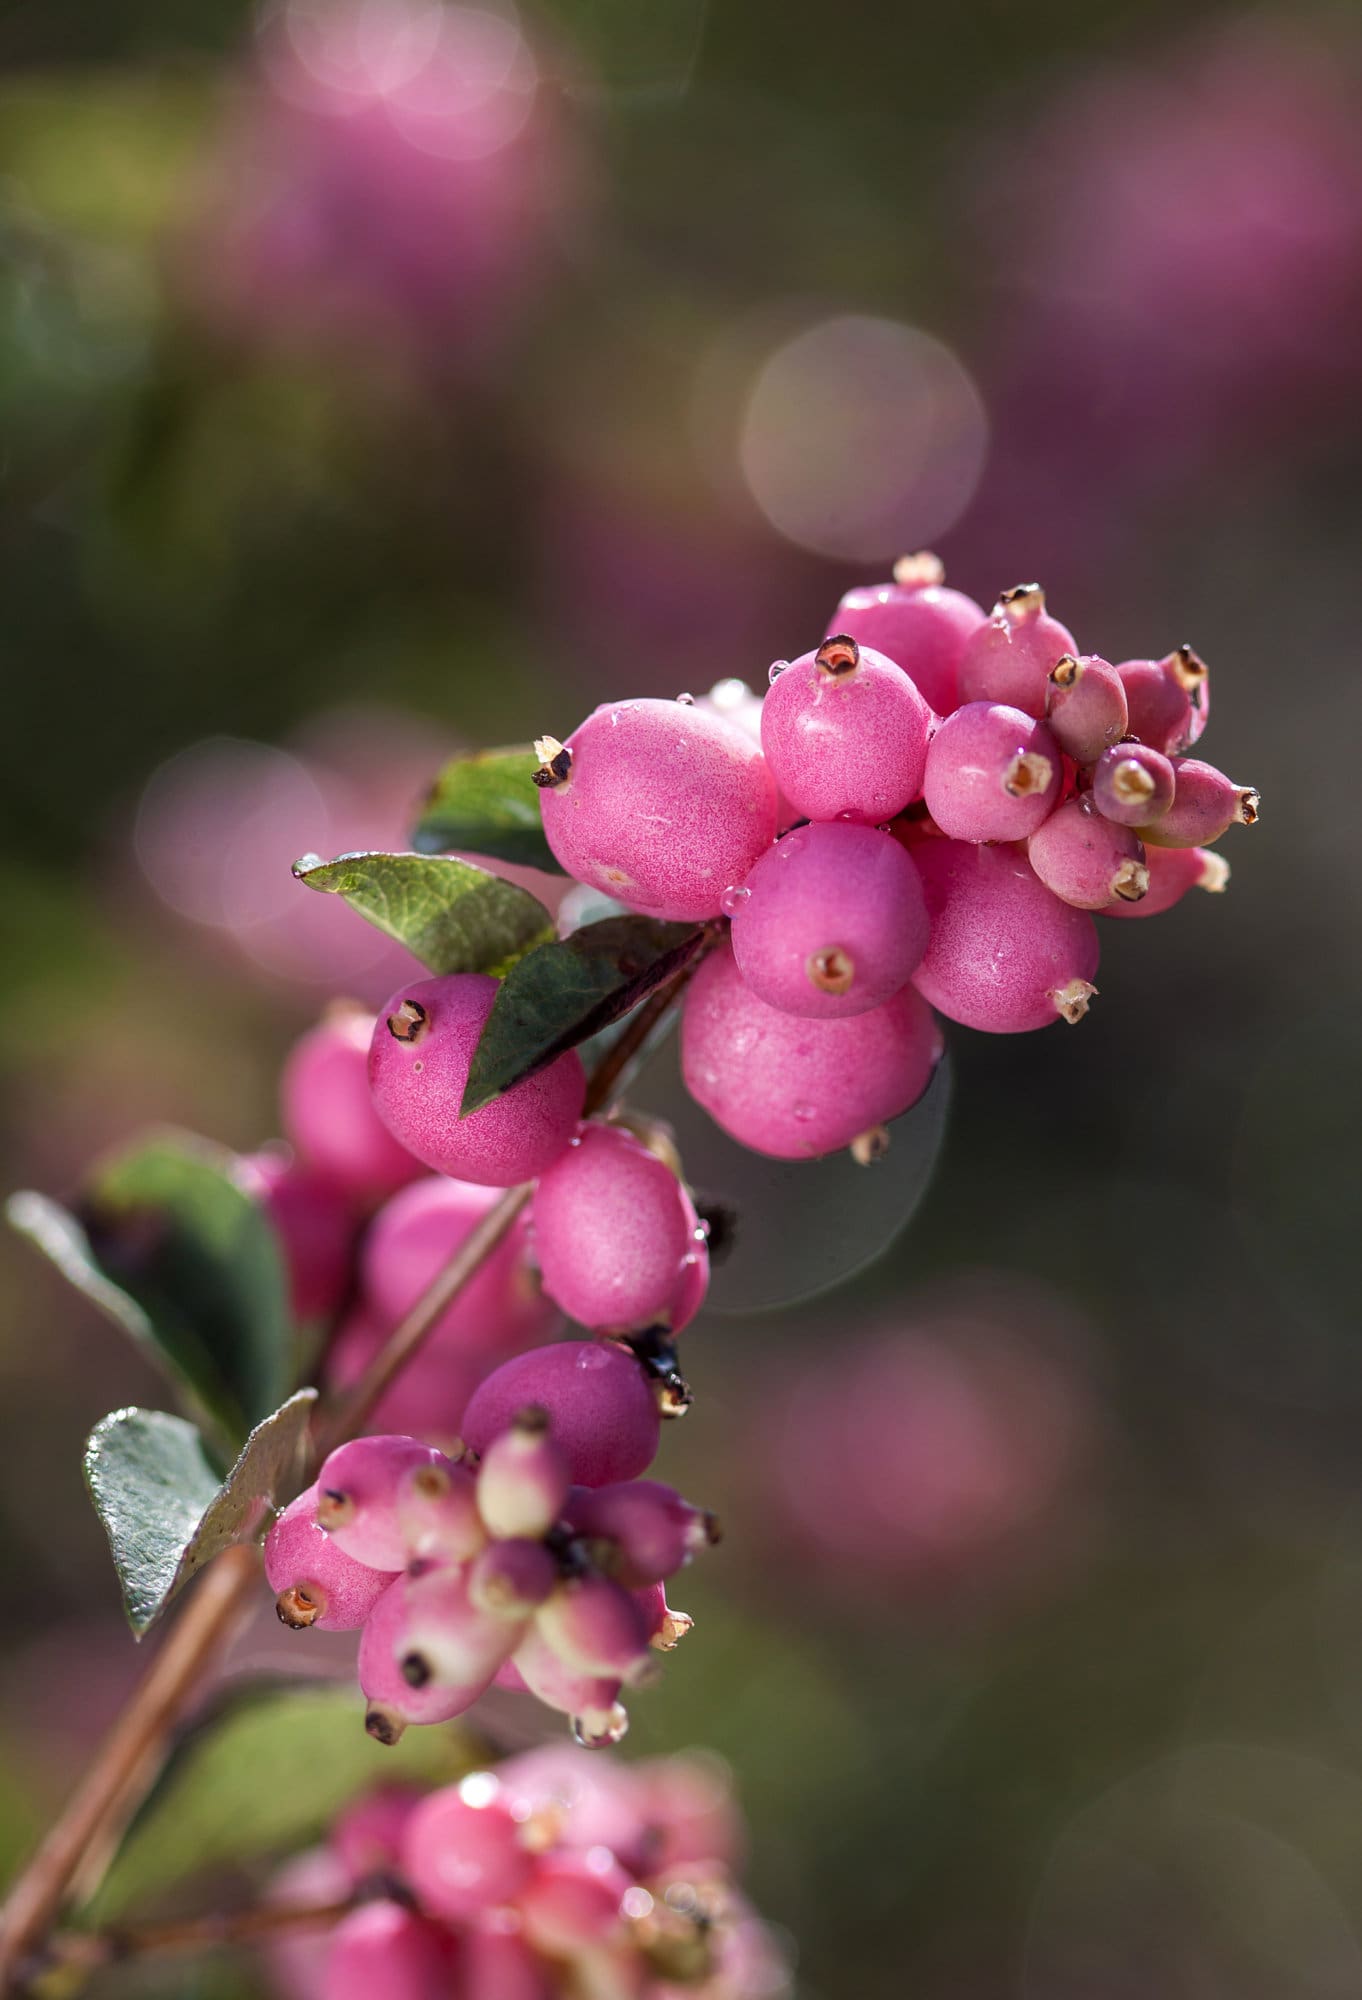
[487,804]
[451,915]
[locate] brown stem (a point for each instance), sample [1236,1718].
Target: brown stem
[86,1951]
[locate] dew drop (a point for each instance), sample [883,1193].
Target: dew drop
[729,694]
[701,1231]
[803,1113]
[686,700]
[734,900]
[775,671]
[593,1357]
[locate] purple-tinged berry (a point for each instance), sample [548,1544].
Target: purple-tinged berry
[328,1114]
[1085,706]
[1088,860]
[314,1580]
[845,734]
[595,1626]
[384,1948]
[1011,656]
[1205,804]
[512,1578]
[358,1489]
[413,1237]
[1168,700]
[651,1530]
[610,1229]
[315,1223]
[832,921]
[437,1513]
[419,1059]
[525,1476]
[1133,783]
[915,622]
[601,1408]
[464,1853]
[1172,872]
[1006,954]
[993,773]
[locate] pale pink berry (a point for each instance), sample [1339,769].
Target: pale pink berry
[572,1904]
[591,1700]
[734,702]
[916,622]
[314,1580]
[422,1048]
[1085,706]
[601,1407]
[328,1114]
[511,1578]
[845,734]
[1172,872]
[436,1504]
[1011,656]
[651,1530]
[1133,783]
[357,1494]
[1088,860]
[661,804]
[383,1948]
[296,1954]
[691,1811]
[413,1237]
[610,1231]
[831,921]
[463,1852]
[524,1477]
[315,1222]
[394,1699]
[588,1801]
[595,1627]
[993,773]
[1168,700]
[498,1964]
[795,1088]
[1006,954]
[1205,804]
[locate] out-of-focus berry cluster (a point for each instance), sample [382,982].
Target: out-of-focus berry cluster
[551,1874]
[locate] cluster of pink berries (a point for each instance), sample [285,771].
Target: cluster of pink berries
[552,1874]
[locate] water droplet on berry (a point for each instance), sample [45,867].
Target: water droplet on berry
[804,1112]
[729,694]
[733,900]
[686,700]
[776,670]
[593,1357]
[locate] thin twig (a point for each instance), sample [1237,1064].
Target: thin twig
[86,1951]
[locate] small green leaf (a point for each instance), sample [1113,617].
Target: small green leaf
[452,916]
[487,804]
[265,1776]
[162,1505]
[569,990]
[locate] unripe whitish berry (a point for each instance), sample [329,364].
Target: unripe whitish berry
[1205,804]
[464,1852]
[1011,656]
[1085,706]
[357,1494]
[316,1583]
[596,1627]
[916,622]
[437,1513]
[396,1699]
[511,1578]
[993,773]
[611,1229]
[1088,860]
[1168,700]
[591,1700]
[1132,783]
[524,1477]
[1172,872]
[1006,954]
[845,734]
[602,1411]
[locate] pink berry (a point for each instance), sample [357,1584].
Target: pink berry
[693,1290]
[831,921]
[660,803]
[437,1513]
[993,773]
[1011,656]
[1085,706]
[524,1477]
[1172,872]
[383,1948]
[1086,859]
[1006,954]
[917,623]
[666,1627]
[600,1404]
[595,1627]
[428,1652]
[328,1114]
[572,1903]
[315,1581]
[315,1223]
[691,1811]
[795,1088]
[368,1834]
[357,1495]
[419,1059]
[512,1578]
[1205,804]
[1168,700]
[429,1396]
[463,1852]
[413,1237]
[652,1530]
[1132,784]
[592,1700]
[845,734]
[499,1965]
[296,1954]
[610,1229]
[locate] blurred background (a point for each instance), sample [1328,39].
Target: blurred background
[379,381]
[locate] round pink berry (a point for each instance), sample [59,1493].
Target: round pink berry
[831,922]
[525,1476]
[572,1904]
[845,733]
[512,1578]
[368,1834]
[422,1049]
[662,804]
[1085,706]
[358,1491]
[1168,700]
[1133,783]
[383,1948]
[654,1532]
[1205,804]
[592,1700]
[315,1223]
[502,1308]
[993,773]
[498,1964]
[1006,954]
[595,1626]
[795,1088]
[1011,656]
[427,1651]
[463,1852]
[1088,860]
[610,1229]
[314,1580]
[328,1114]
[917,623]
[1172,872]
[428,1397]
[601,1408]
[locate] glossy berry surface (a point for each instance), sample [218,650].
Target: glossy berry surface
[410,1241]
[1168,700]
[993,773]
[845,734]
[1006,954]
[611,1229]
[314,1580]
[601,1408]
[358,1489]
[464,1852]
[916,622]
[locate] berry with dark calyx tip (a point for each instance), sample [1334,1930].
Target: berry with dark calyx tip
[599,1401]
[651,1530]
[794,1088]
[1168,700]
[993,773]
[315,1223]
[1088,860]
[385,1948]
[1006,954]
[1011,656]
[397,1698]
[410,1241]
[592,1700]
[1172,872]
[315,1581]
[511,1578]
[1205,804]
[418,1080]
[524,1476]
[572,1906]
[664,806]
[437,1513]
[611,1228]
[464,1852]
[1132,783]
[1085,706]
[595,1627]
[833,922]
[328,1114]
[357,1493]
[916,622]
[444,1639]
[845,733]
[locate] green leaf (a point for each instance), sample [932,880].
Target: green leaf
[264,1777]
[452,916]
[170,1245]
[569,990]
[163,1507]
[487,804]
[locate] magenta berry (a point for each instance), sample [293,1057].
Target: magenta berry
[610,1229]
[524,1477]
[1205,804]
[993,773]
[1088,860]
[796,1088]
[368,1835]
[917,623]
[1168,700]
[694,1287]
[328,1114]
[498,1964]
[315,1582]
[1172,872]
[428,1397]
[1011,656]
[1085,706]
[1006,954]
[510,1579]
[572,1904]
[1133,784]
[832,921]
[601,1407]
[383,1948]
[357,1494]
[419,1059]
[396,1698]
[315,1222]
[651,1530]
[409,1242]
[845,734]
[660,803]
[433,1649]
[592,1700]
[437,1513]
[595,1626]
[463,1851]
